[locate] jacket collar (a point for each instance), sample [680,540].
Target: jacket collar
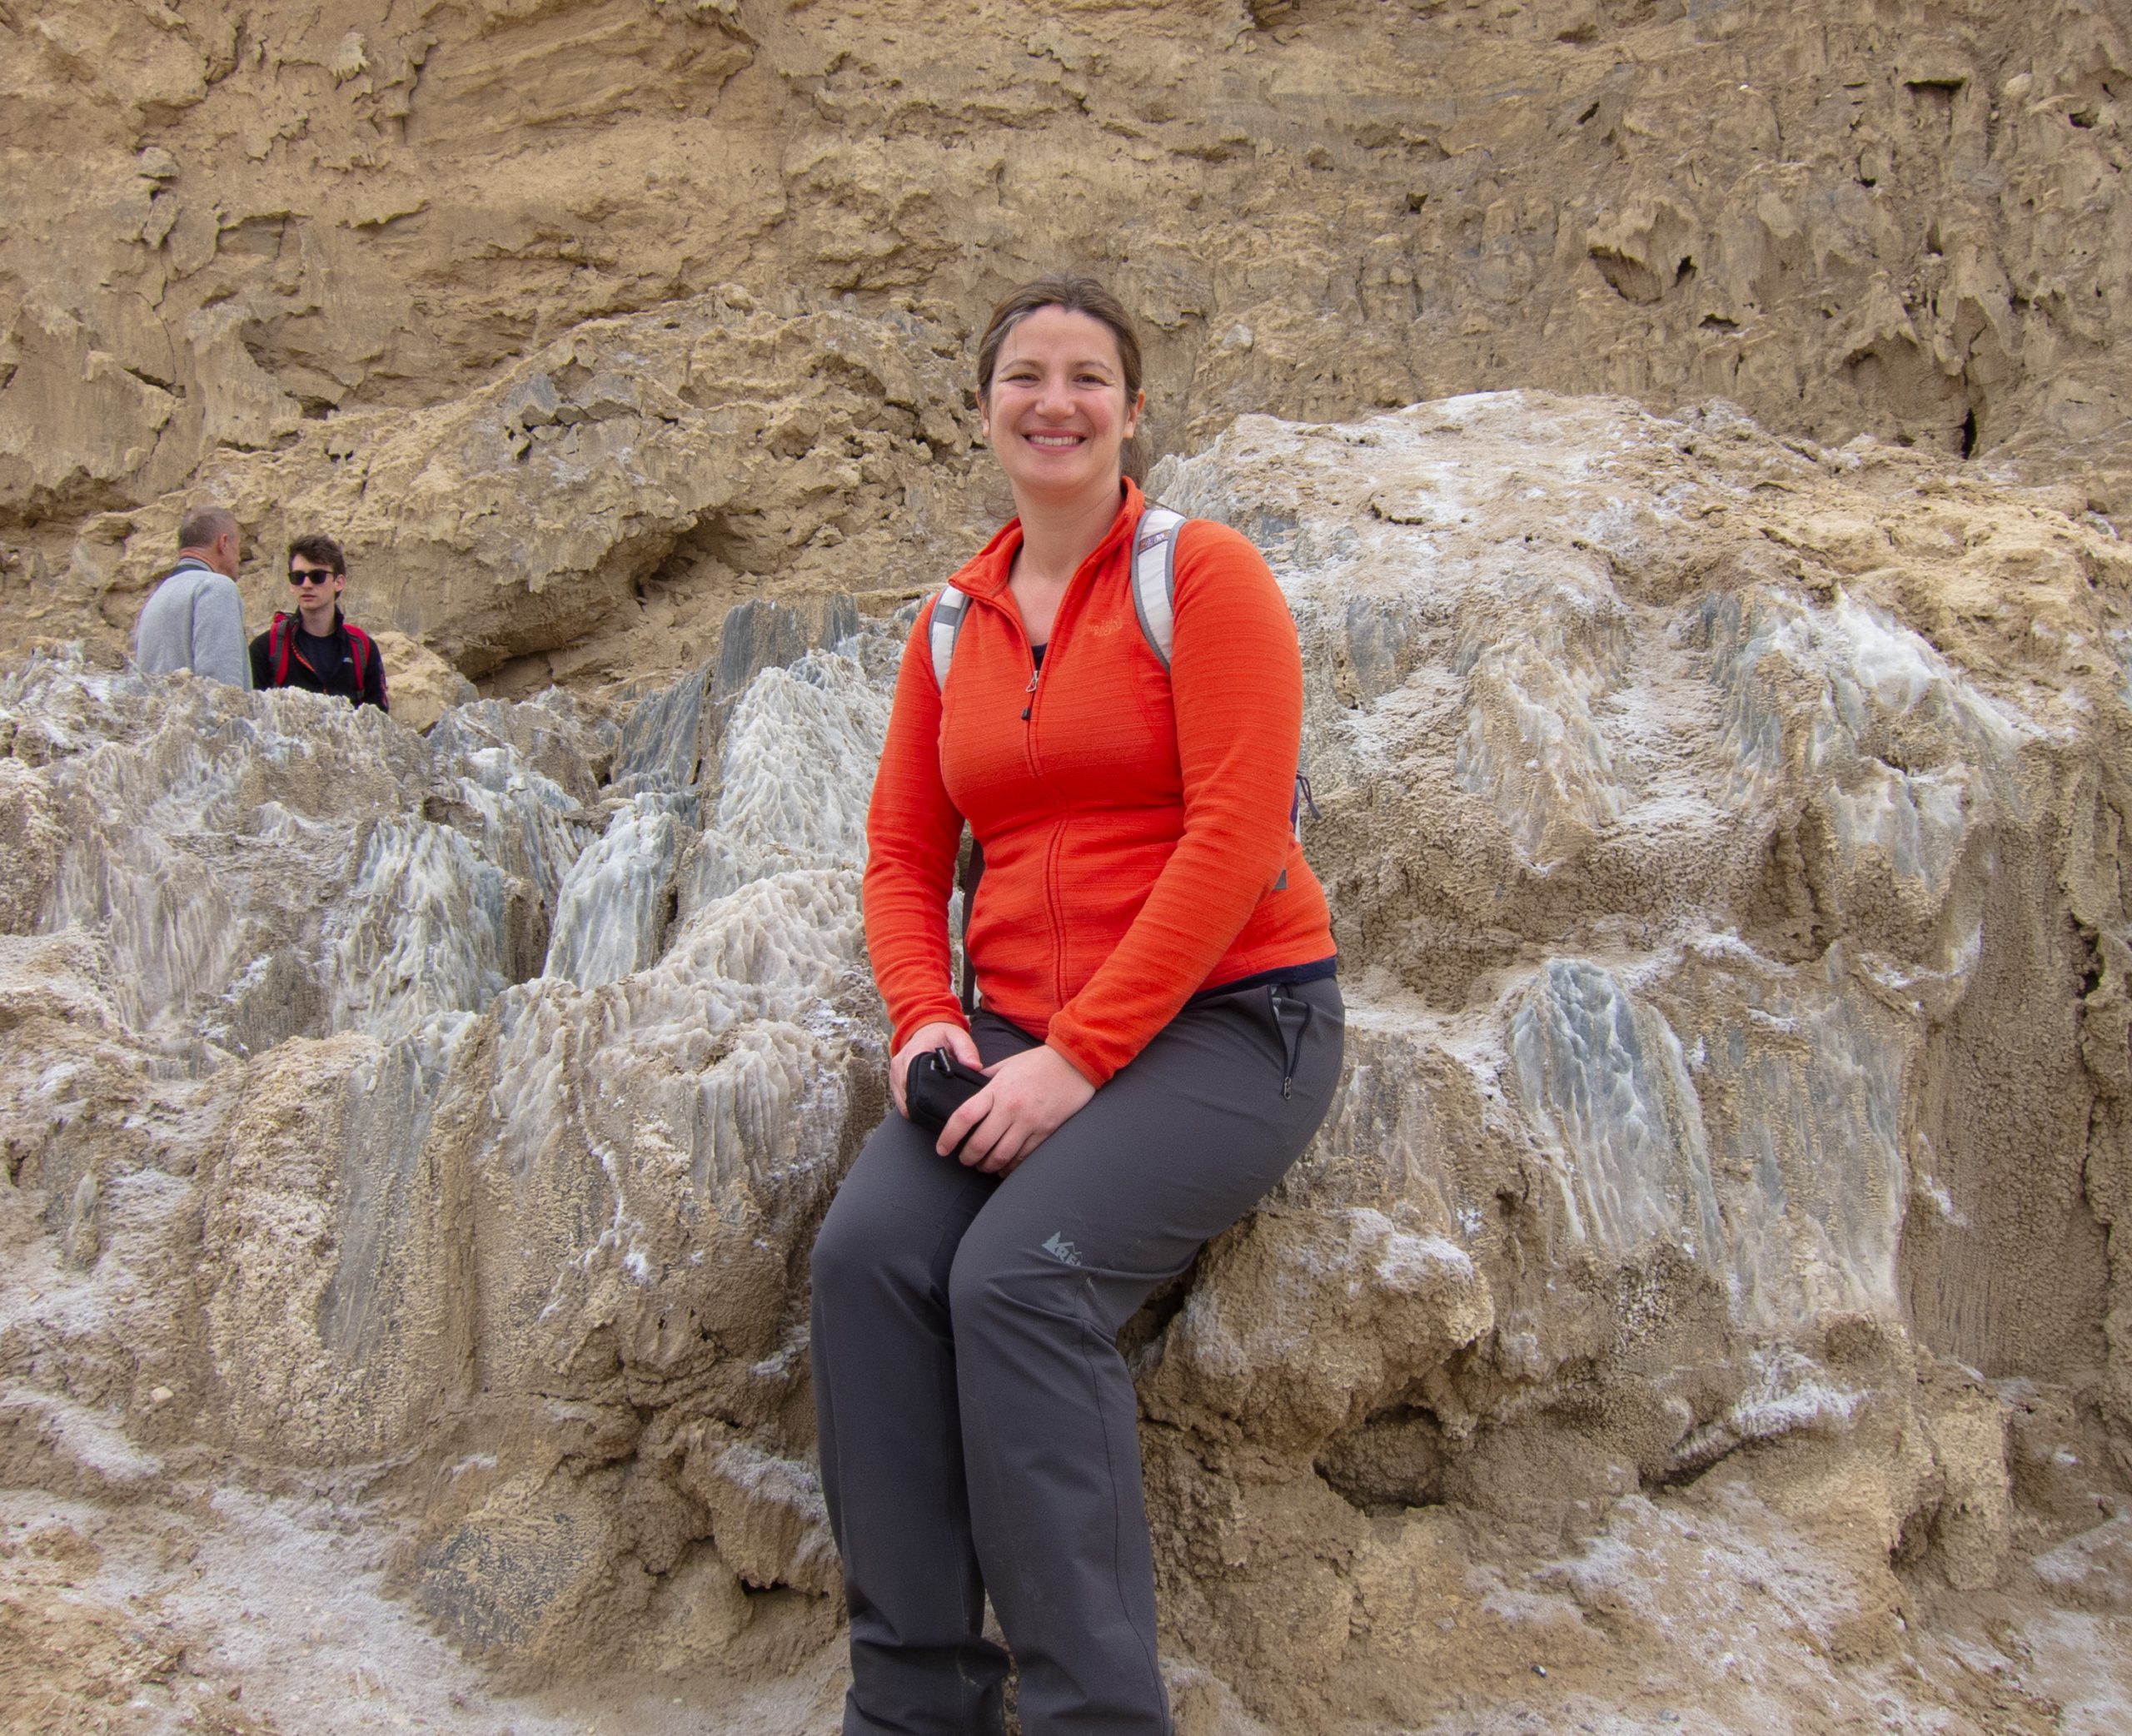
[294,618]
[987,572]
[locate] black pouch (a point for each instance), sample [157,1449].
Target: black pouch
[936,1086]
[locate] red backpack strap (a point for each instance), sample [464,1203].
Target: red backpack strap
[277,648]
[365,645]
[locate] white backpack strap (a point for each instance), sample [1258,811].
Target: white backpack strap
[948,610]
[1154,578]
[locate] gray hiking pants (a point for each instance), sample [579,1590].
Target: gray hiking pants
[979,1427]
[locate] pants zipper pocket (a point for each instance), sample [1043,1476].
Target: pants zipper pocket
[1291,1011]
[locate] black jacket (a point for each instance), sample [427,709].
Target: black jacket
[357,672]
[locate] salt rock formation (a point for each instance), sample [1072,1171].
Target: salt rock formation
[1716,1235]
[278,223]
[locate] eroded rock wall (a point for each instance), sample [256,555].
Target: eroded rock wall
[275,226]
[590,515]
[1718,1233]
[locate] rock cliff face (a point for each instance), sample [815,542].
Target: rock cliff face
[1708,1287]
[341,237]
[591,514]
[1708,1299]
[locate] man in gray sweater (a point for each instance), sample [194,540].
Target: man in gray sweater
[195,621]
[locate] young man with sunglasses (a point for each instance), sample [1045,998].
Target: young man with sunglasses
[315,648]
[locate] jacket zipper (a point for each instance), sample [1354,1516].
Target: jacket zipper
[1051,905]
[1032,694]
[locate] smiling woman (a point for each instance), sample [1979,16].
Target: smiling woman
[1158,1022]
[1060,406]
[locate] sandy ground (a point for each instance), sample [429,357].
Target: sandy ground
[228,1611]
[236,1613]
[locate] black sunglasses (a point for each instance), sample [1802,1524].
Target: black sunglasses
[310,576]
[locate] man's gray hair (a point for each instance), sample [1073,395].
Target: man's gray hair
[202,525]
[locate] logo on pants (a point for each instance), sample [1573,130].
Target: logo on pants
[1061,1249]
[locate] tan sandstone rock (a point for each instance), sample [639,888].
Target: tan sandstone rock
[1899,219]
[420,685]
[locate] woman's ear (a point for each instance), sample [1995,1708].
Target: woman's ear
[1132,417]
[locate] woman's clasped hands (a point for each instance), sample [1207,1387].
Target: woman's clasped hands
[1032,1095]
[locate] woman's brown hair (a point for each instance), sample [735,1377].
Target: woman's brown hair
[1075,294]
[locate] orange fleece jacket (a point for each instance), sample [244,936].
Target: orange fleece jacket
[1136,825]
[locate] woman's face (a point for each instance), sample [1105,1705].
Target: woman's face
[1056,415]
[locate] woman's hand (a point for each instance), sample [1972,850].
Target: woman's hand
[938,1035]
[1031,1095]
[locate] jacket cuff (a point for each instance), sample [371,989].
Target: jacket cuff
[1086,1065]
[949,1014]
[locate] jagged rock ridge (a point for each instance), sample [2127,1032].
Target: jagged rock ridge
[1723,836]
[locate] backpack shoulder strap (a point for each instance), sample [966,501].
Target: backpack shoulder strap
[1154,600]
[363,644]
[1154,578]
[949,609]
[277,649]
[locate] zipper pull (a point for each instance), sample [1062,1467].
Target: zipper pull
[1280,1000]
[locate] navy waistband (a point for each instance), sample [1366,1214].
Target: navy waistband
[1316,971]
